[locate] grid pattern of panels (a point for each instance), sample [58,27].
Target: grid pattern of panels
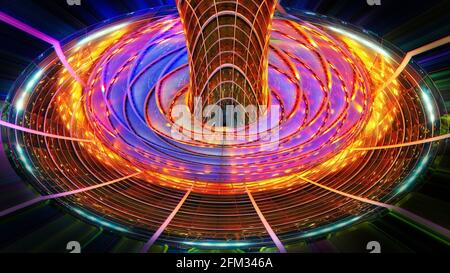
[228,48]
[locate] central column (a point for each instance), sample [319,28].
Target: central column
[228,42]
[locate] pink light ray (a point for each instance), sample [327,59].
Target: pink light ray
[269,229]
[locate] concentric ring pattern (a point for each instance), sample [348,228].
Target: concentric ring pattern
[324,77]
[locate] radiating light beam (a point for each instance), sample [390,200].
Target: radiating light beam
[62,194]
[164,225]
[361,40]
[414,217]
[410,55]
[417,142]
[44,37]
[269,229]
[101,33]
[39,133]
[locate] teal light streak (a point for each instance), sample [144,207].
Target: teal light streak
[28,89]
[330,228]
[361,40]
[23,159]
[415,174]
